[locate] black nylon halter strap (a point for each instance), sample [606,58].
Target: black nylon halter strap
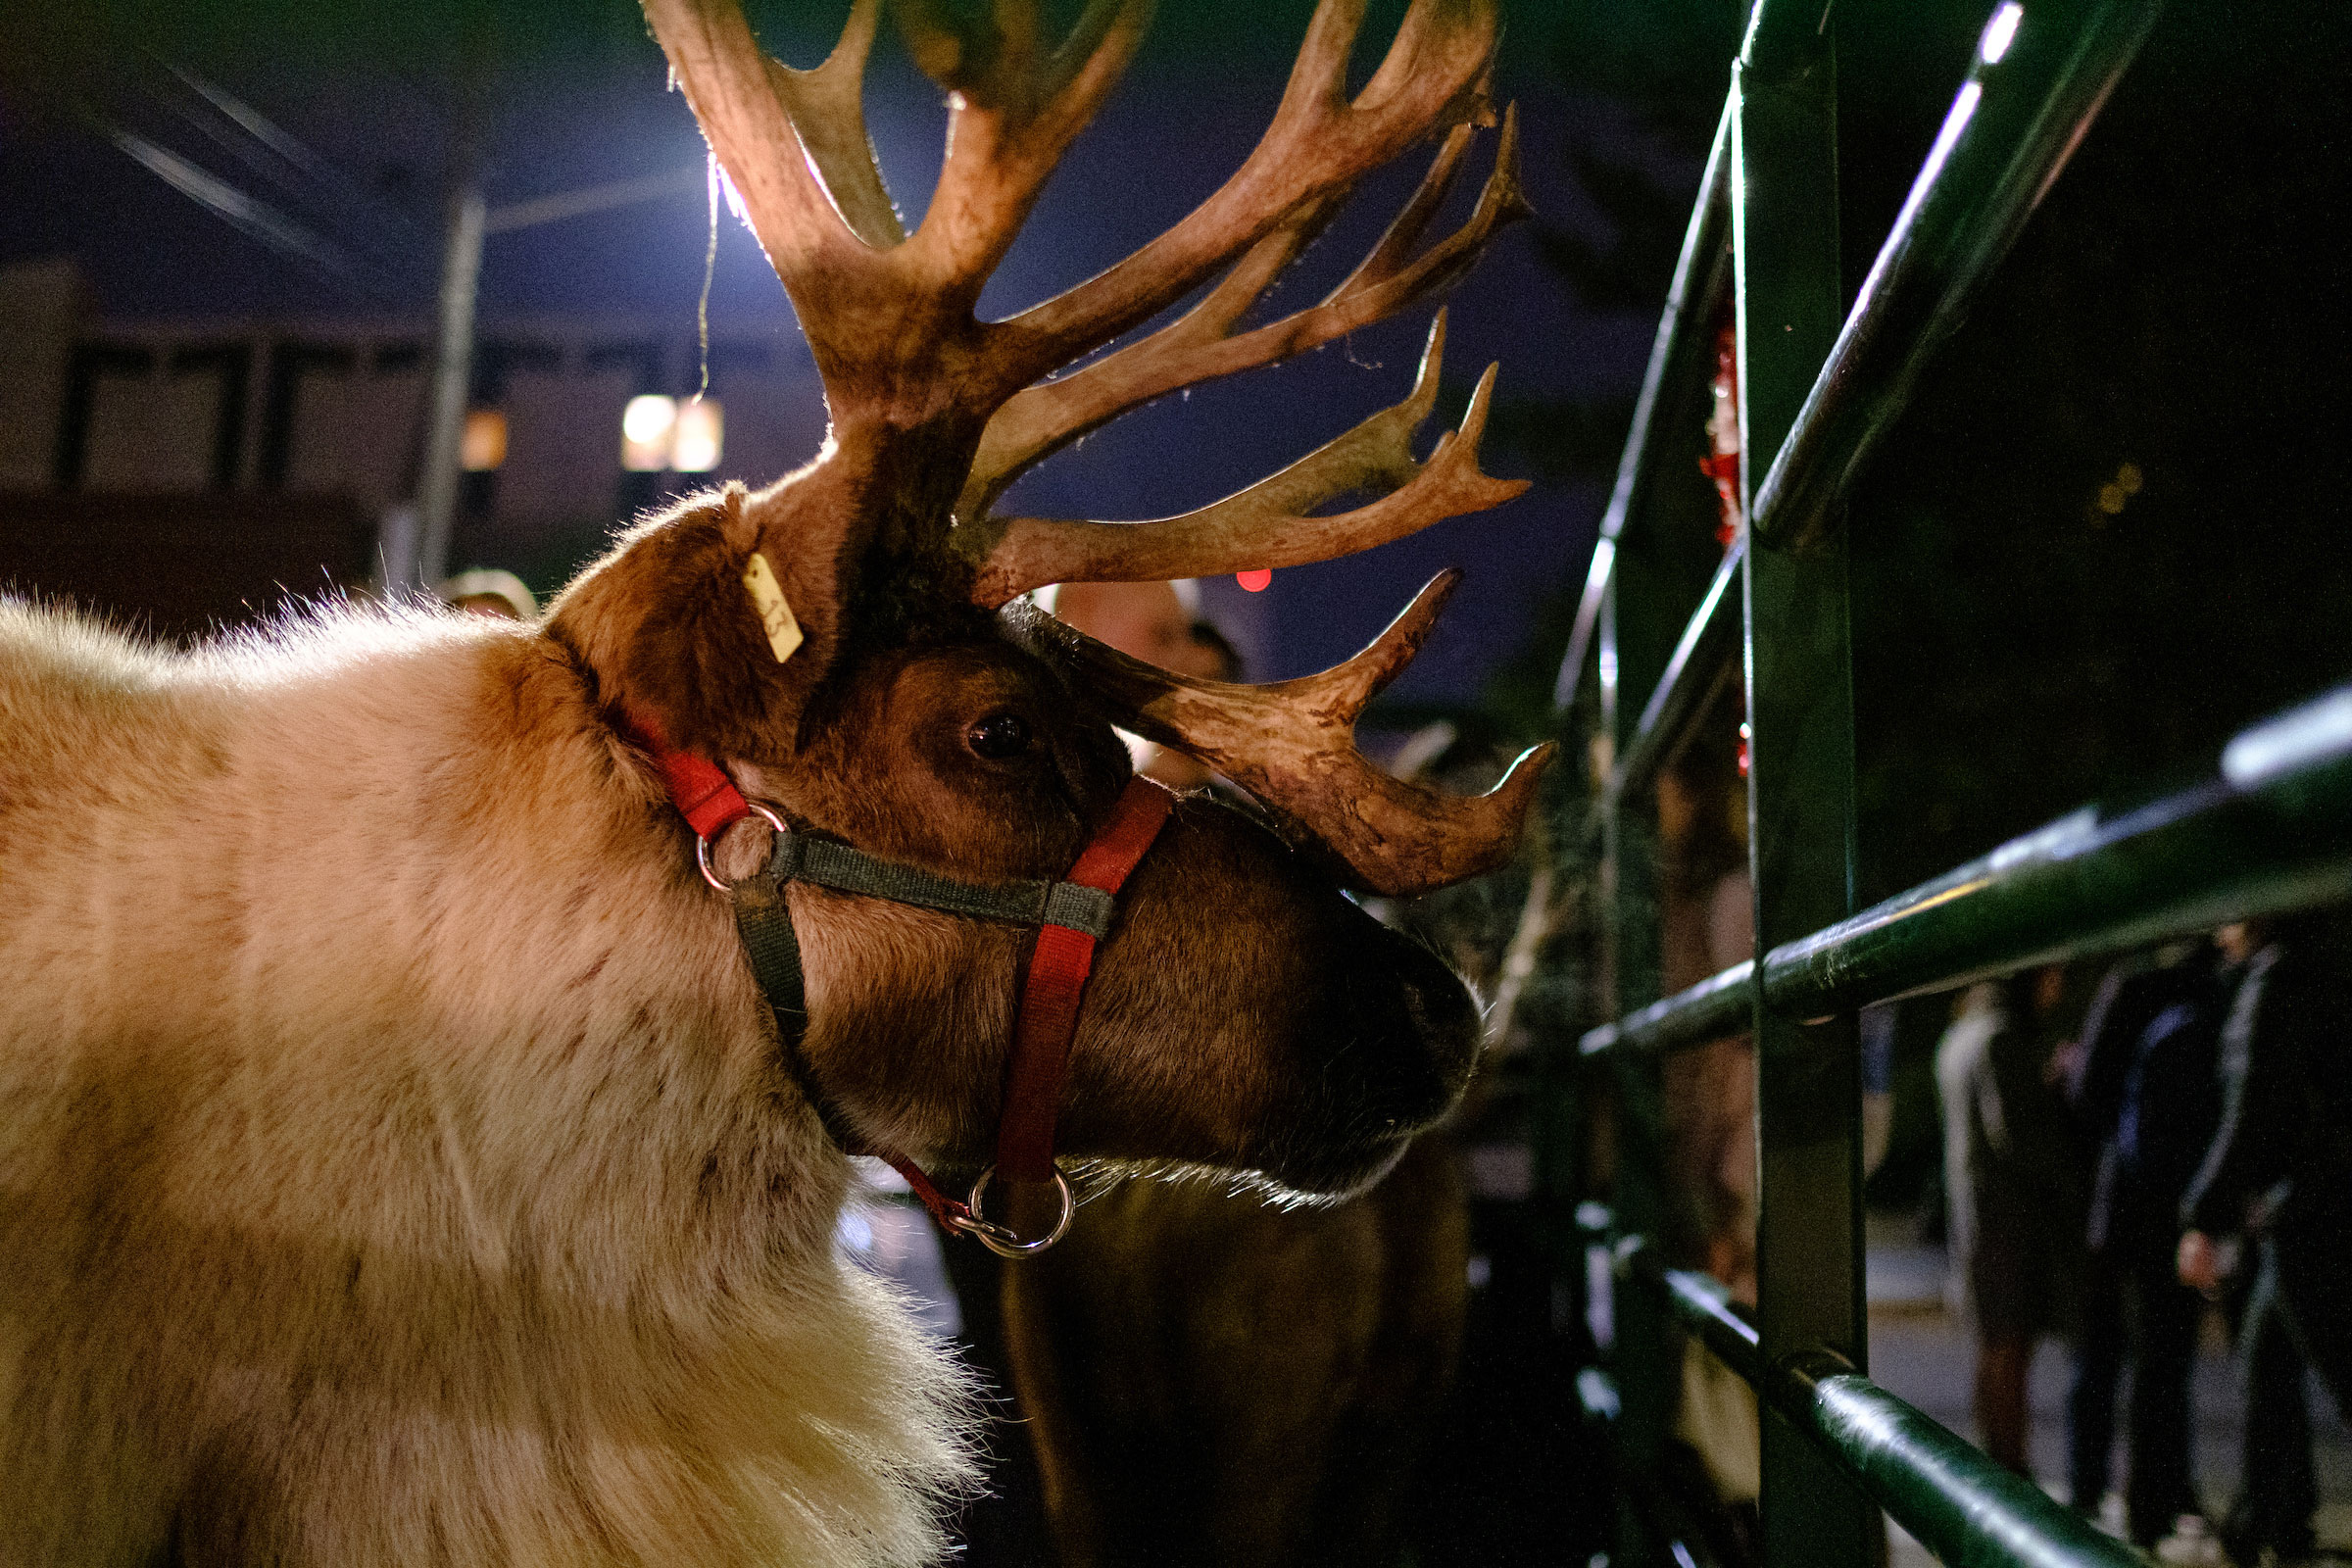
[764,923]
[764,917]
[1025,901]
[1073,915]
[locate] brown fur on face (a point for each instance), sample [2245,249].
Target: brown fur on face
[662,639]
[1244,1015]
[1230,955]
[398,1163]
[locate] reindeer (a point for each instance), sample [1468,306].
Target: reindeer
[407,1156]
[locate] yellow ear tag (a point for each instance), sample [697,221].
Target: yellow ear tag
[775,615]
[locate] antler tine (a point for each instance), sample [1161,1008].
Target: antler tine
[793,142]
[1433,76]
[1200,346]
[889,317]
[1291,745]
[1011,117]
[827,106]
[1501,201]
[1412,219]
[1352,686]
[1268,524]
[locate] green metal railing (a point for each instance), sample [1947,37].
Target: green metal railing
[2269,829]
[1959,1504]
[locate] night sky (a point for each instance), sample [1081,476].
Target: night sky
[582,105]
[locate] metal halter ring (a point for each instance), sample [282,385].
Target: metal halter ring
[701,842]
[1002,1241]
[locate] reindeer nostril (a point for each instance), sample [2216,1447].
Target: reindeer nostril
[1426,1017]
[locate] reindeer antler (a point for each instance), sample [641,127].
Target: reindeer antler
[1293,745]
[888,315]
[1269,524]
[1202,346]
[935,412]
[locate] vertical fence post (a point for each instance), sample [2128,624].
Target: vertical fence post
[1646,1356]
[1801,779]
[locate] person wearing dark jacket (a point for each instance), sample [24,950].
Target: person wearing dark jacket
[2147,1097]
[2279,1167]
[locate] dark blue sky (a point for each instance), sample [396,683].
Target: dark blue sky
[569,116]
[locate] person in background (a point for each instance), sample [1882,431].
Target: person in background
[2005,1121]
[2279,1166]
[487,591]
[1217,658]
[1706,923]
[2278,1491]
[1975,1016]
[2146,1095]
[1877,1030]
[1153,623]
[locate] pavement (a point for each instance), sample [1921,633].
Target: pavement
[1918,1349]
[1925,1354]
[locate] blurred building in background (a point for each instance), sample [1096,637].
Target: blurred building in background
[151,468]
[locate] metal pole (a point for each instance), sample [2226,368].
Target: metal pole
[453,343]
[1646,1356]
[2269,831]
[1800,791]
[1683,335]
[2039,80]
[1967,1510]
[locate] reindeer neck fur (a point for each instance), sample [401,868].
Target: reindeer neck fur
[250,1051]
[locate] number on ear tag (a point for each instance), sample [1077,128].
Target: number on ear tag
[775,615]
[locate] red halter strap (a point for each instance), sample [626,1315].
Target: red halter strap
[1051,992]
[698,787]
[1057,980]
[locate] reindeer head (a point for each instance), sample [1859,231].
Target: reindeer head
[1243,1014]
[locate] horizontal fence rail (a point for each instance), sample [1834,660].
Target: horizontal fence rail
[1708,646]
[2039,74]
[1962,1506]
[2270,831]
[1719,1005]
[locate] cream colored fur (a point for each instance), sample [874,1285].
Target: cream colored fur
[394,1165]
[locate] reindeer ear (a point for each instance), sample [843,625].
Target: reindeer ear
[676,640]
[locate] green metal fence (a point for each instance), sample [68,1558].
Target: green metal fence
[2269,829]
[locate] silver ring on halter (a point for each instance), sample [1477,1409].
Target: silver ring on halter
[701,842]
[1003,1241]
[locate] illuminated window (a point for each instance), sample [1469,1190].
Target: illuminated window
[661,434]
[483,446]
[645,431]
[694,445]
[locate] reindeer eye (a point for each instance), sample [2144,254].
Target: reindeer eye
[999,736]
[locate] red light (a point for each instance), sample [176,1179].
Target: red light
[1254,582]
